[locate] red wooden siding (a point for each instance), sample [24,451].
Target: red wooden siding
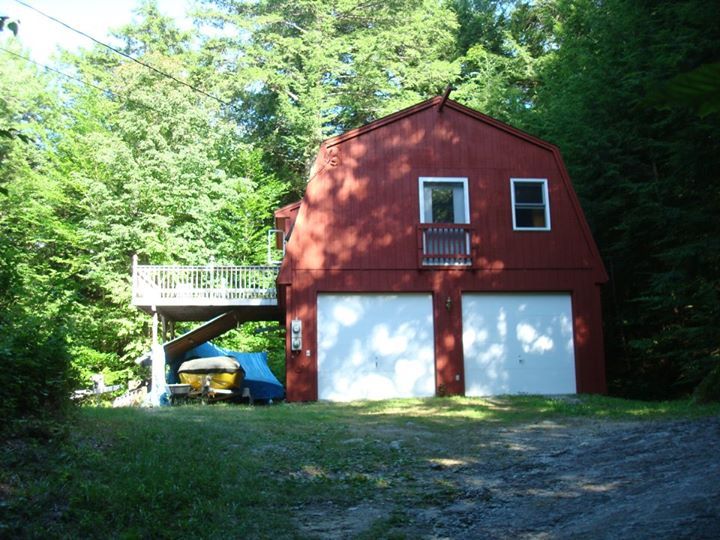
[361,213]
[301,369]
[356,231]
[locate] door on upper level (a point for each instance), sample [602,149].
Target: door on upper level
[444,221]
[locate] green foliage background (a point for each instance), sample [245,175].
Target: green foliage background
[133,162]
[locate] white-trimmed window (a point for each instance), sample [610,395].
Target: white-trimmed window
[444,221]
[444,200]
[530,204]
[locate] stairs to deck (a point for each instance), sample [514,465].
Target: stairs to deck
[216,327]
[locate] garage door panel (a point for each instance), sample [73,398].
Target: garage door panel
[374,346]
[518,343]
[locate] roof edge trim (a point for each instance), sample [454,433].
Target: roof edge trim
[288,207]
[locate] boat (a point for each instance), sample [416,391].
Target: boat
[259,383]
[216,374]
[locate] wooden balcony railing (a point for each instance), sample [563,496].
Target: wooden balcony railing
[444,244]
[203,285]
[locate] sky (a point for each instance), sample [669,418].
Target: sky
[41,37]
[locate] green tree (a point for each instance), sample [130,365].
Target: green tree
[156,170]
[35,293]
[301,71]
[646,179]
[501,45]
[498,84]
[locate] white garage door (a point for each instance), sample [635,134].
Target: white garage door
[375,346]
[518,343]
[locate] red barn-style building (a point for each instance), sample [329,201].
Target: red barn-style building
[439,251]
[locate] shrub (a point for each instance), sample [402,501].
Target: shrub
[35,361]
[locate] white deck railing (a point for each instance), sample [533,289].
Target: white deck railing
[203,285]
[444,244]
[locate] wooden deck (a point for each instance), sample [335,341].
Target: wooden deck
[199,293]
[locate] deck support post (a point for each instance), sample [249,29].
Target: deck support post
[154,326]
[164,322]
[158,385]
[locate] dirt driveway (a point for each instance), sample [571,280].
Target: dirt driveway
[570,478]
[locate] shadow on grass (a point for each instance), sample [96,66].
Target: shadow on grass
[161,472]
[526,408]
[446,412]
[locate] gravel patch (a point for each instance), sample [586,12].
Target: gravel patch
[571,478]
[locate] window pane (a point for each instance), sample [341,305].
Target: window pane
[528,193]
[442,205]
[530,217]
[444,202]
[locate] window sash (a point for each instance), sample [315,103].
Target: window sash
[528,215]
[460,205]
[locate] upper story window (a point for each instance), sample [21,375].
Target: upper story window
[444,218]
[531,207]
[444,200]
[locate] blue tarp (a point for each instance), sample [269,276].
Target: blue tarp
[258,378]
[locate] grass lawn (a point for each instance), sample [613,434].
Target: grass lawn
[241,471]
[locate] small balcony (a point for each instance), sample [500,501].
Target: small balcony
[202,292]
[444,245]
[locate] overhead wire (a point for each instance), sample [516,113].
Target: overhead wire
[125,55]
[122,97]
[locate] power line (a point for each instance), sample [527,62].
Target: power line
[104,90]
[121,53]
[54,70]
